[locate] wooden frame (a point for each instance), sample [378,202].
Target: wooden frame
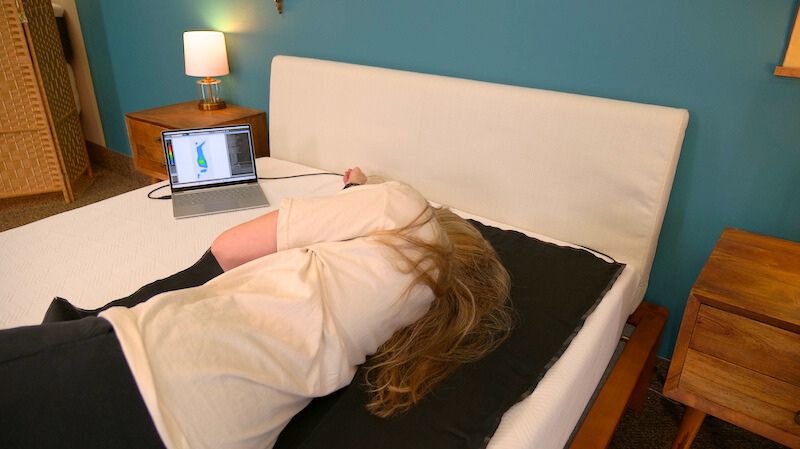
[791,60]
[627,384]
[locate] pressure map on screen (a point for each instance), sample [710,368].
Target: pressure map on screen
[201,158]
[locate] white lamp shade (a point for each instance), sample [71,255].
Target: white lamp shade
[204,53]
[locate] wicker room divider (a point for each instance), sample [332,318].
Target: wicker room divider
[42,148]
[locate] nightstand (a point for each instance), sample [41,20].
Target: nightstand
[144,130]
[738,351]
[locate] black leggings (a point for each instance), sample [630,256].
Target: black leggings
[201,272]
[66,384]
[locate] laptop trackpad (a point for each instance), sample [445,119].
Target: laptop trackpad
[212,206]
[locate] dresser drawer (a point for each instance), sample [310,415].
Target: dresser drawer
[761,397]
[748,343]
[148,153]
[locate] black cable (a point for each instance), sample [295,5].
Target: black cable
[166,197]
[305,174]
[601,253]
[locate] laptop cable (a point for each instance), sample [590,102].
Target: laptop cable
[166,197]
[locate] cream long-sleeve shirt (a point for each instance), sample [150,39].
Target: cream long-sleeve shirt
[226,365]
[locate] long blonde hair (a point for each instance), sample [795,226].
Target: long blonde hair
[468,318]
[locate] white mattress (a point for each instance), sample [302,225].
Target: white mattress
[107,250]
[547,417]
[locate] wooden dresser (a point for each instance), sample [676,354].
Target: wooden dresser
[738,351]
[144,130]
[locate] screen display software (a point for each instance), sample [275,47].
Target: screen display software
[201,157]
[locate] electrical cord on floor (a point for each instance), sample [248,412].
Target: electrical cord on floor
[662,379]
[661,395]
[166,197]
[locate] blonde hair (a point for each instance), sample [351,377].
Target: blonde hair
[468,318]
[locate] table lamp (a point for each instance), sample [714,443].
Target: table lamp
[204,55]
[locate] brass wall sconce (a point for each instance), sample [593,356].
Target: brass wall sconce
[279,6]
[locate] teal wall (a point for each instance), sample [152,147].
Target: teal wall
[740,164]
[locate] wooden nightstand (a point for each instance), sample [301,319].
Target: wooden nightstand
[144,130]
[738,350]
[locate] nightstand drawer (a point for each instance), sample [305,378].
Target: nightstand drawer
[748,343]
[761,397]
[148,153]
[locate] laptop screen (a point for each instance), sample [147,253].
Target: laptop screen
[208,156]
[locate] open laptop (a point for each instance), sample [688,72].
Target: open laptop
[212,170]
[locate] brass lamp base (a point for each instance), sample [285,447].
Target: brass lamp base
[206,106]
[210,94]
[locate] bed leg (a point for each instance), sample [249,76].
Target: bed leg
[639,394]
[629,377]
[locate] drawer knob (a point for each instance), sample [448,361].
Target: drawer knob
[797,417]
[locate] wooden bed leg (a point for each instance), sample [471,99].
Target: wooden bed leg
[632,370]
[690,425]
[639,395]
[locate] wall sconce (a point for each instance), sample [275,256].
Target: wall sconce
[279,6]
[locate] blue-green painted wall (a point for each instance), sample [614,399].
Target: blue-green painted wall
[740,164]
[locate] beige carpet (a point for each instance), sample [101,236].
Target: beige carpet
[105,184]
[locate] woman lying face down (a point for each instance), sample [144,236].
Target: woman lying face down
[299,298]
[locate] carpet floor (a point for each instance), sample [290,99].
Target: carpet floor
[104,184]
[652,428]
[656,425]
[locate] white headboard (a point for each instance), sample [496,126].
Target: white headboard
[586,170]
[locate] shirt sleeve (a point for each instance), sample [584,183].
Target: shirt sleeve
[351,213]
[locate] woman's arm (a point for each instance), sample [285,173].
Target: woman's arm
[258,237]
[247,241]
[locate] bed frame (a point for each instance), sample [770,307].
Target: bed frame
[626,386]
[591,171]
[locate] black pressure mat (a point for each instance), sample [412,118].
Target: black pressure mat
[553,290]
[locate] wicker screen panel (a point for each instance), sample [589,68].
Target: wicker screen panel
[22,170]
[28,161]
[50,57]
[21,107]
[70,136]
[58,91]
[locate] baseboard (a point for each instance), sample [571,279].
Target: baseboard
[119,163]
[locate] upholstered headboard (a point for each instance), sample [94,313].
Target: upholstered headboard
[586,170]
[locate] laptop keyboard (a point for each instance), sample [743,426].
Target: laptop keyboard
[214,196]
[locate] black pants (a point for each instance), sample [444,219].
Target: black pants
[201,272]
[66,384]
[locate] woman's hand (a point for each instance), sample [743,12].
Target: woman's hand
[354,176]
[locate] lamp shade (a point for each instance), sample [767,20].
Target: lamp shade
[204,53]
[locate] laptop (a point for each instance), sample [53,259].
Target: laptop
[212,170]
